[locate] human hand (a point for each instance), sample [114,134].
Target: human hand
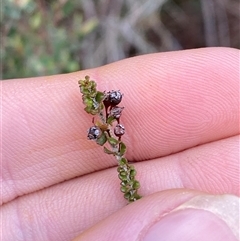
[182,124]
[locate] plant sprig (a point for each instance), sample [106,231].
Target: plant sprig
[107,132]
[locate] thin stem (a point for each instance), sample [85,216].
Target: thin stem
[102,117]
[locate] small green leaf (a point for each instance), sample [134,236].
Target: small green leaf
[127,195]
[88,109]
[84,90]
[122,149]
[100,96]
[130,183]
[132,198]
[136,185]
[106,150]
[94,112]
[124,189]
[91,111]
[123,173]
[123,161]
[92,84]
[102,139]
[123,178]
[112,141]
[110,120]
[133,173]
[81,82]
[88,101]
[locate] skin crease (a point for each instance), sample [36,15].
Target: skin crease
[185,141]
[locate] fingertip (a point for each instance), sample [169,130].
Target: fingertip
[190,224]
[129,222]
[170,215]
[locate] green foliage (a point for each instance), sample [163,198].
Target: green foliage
[129,185]
[122,149]
[107,151]
[102,139]
[91,97]
[42,38]
[110,120]
[52,37]
[113,142]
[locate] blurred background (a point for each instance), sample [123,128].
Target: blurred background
[45,37]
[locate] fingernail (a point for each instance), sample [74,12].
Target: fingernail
[190,224]
[204,217]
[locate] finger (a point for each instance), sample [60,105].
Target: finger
[78,204]
[44,130]
[171,215]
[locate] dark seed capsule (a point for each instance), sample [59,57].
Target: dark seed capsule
[94,132]
[116,112]
[119,130]
[113,98]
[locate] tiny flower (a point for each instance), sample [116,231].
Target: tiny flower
[119,130]
[116,112]
[94,132]
[113,98]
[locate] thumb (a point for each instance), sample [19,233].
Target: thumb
[171,215]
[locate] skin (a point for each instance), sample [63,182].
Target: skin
[182,131]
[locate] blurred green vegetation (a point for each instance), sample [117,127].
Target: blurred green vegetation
[44,37]
[43,40]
